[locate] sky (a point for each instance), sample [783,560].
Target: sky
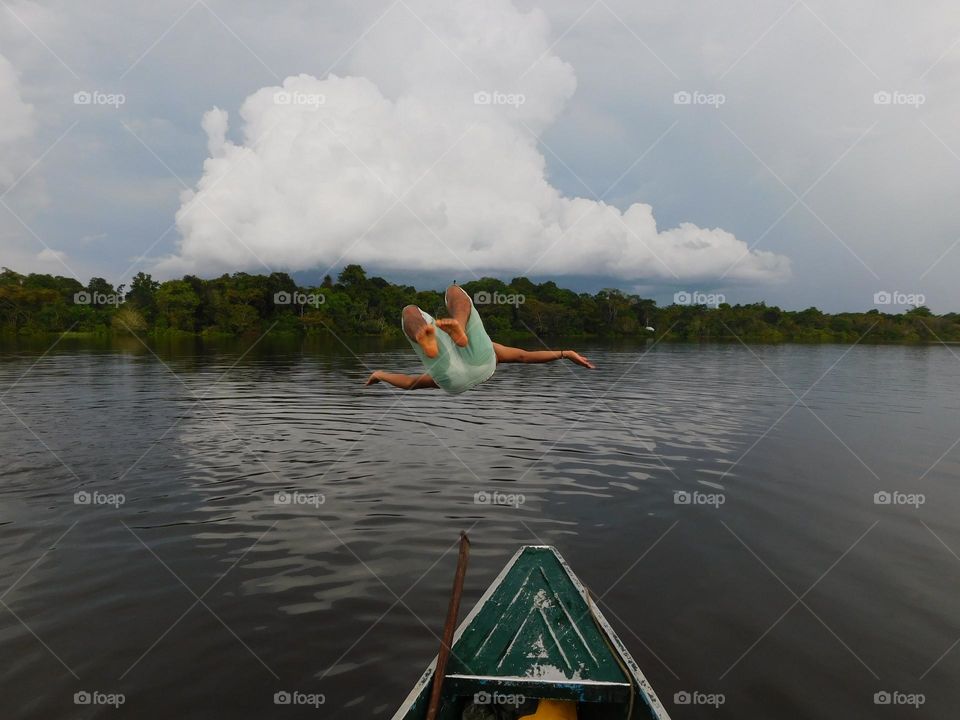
[798,152]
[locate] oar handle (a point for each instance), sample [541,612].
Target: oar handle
[449,627]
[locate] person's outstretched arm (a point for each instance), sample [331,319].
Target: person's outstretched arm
[507,354]
[404,382]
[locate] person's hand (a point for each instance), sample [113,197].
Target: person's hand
[374,378]
[577,358]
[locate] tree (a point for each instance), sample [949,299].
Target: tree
[9,277]
[21,306]
[143,294]
[177,303]
[353,276]
[100,292]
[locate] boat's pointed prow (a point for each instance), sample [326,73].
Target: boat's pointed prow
[536,633]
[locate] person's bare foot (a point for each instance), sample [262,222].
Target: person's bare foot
[427,339]
[420,331]
[454,329]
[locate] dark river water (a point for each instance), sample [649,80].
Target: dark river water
[144,550]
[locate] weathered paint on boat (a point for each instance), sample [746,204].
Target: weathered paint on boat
[535,633]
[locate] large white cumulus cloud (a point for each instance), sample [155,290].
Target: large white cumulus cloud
[399,167]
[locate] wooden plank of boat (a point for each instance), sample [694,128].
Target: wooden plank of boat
[535,633]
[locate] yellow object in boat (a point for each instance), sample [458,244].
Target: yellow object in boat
[554,710]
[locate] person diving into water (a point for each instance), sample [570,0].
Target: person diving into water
[462,355]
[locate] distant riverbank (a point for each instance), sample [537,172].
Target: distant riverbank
[354,305]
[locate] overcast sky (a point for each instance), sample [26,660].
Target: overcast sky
[803,153]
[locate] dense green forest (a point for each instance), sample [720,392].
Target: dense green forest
[354,304]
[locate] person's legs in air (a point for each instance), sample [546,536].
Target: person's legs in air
[459,306]
[476,352]
[420,331]
[452,367]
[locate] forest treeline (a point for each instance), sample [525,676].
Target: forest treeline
[355,304]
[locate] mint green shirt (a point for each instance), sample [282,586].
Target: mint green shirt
[456,368]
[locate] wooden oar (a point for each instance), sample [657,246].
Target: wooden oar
[449,627]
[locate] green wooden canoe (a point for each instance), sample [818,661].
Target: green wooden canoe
[535,634]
